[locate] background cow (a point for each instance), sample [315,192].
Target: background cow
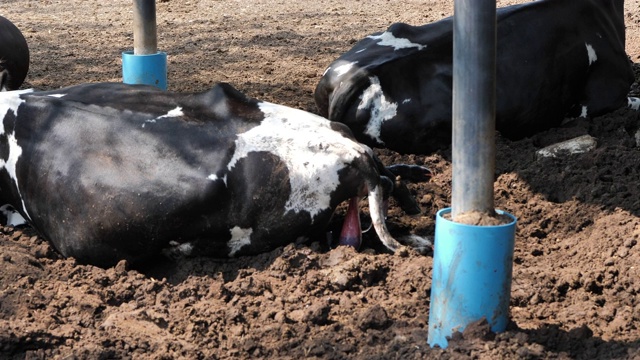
[111,171]
[555,59]
[14,56]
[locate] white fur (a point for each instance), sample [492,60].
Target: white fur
[177,112]
[10,165]
[343,69]
[381,109]
[592,54]
[388,39]
[10,101]
[584,112]
[312,152]
[214,177]
[13,217]
[239,238]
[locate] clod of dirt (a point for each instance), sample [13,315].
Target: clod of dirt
[374,318]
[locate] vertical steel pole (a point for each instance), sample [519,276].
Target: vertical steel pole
[474,64]
[472,265]
[145,40]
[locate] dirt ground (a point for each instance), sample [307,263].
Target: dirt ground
[576,277]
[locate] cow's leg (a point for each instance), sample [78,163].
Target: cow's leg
[411,173]
[399,174]
[402,175]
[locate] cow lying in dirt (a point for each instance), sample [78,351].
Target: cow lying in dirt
[14,56]
[555,59]
[111,171]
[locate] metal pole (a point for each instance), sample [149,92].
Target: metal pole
[474,64]
[145,41]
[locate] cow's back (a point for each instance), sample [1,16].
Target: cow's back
[131,168]
[111,171]
[394,89]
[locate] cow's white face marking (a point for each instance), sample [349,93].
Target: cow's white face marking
[56,95]
[381,109]
[10,101]
[584,112]
[312,152]
[592,54]
[388,39]
[634,103]
[13,217]
[343,69]
[239,238]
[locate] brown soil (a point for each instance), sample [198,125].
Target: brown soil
[576,279]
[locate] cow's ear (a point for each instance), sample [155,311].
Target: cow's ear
[4,80]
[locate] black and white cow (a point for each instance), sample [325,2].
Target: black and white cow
[111,171]
[555,59]
[14,56]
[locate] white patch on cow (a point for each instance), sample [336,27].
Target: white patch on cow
[634,103]
[177,250]
[10,165]
[214,177]
[592,54]
[406,101]
[177,112]
[57,95]
[343,69]
[10,101]
[381,110]
[185,248]
[584,112]
[152,121]
[13,217]
[388,39]
[239,238]
[311,150]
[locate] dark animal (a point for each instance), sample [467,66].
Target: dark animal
[555,59]
[14,56]
[111,171]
